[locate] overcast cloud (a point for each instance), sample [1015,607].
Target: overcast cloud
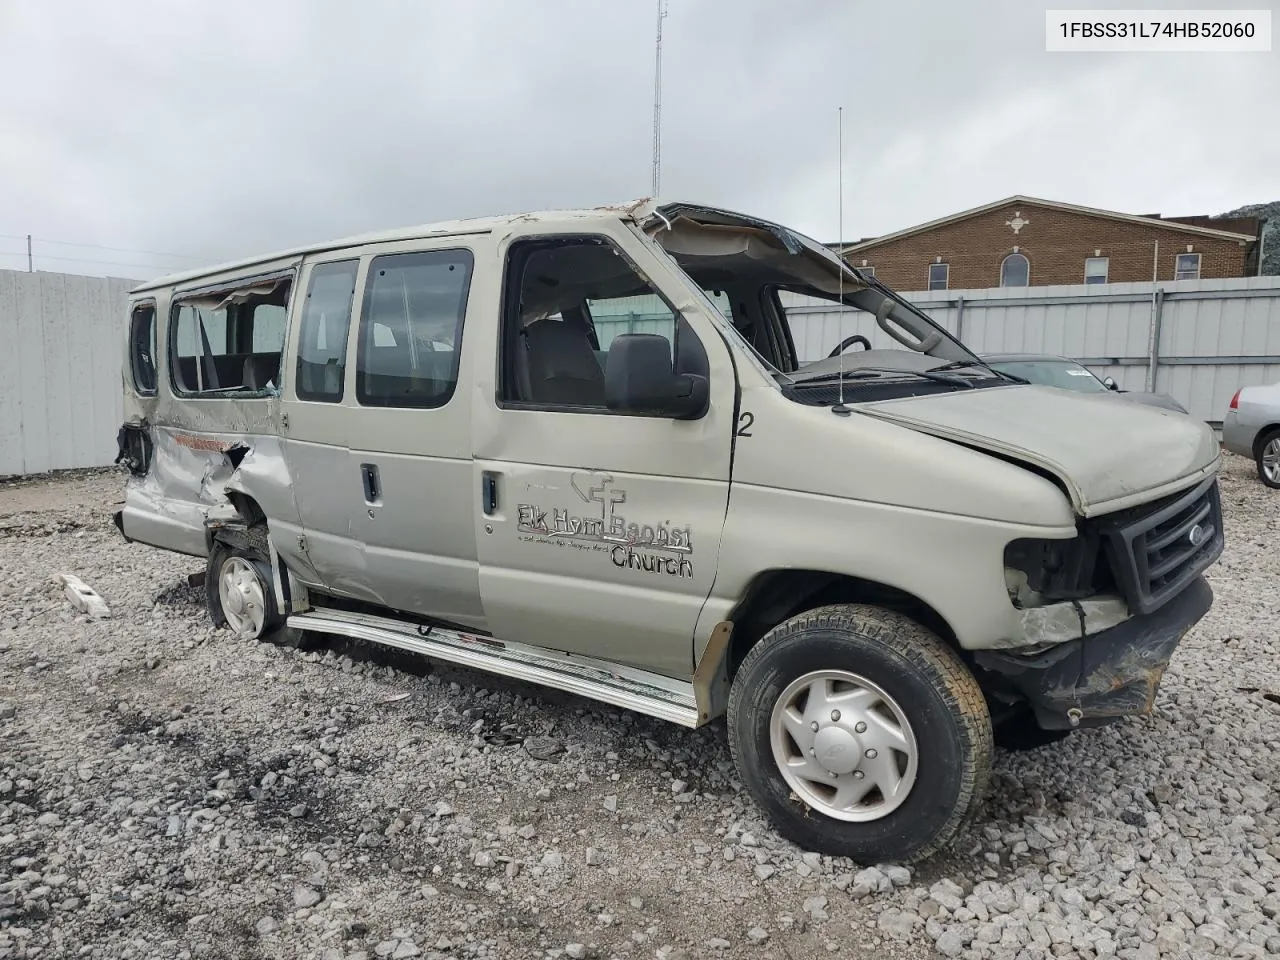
[224,129]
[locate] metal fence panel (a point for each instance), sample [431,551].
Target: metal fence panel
[1214,335]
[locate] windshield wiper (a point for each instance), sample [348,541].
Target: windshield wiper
[863,373]
[962,364]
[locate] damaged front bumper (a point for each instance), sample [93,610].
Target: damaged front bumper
[1100,678]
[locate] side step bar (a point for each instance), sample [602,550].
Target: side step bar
[639,690]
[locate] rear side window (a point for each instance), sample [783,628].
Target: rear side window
[322,338]
[142,348]
[229,341]
[411,328]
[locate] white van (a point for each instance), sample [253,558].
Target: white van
[579,449]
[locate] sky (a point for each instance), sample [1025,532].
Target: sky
[171,133]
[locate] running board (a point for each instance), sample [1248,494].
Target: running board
[639,690]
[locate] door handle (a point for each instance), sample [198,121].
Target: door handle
[372,486]
[489,491]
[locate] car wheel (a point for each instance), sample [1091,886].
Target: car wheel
[860,734]
[1269,459]
[239,592]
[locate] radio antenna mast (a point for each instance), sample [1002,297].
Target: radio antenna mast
[657,101]
[840,409]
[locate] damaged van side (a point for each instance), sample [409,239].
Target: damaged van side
[580,449]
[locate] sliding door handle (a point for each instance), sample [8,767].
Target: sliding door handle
[372,484]
[489,492]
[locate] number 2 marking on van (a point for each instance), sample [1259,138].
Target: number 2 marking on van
[745,420]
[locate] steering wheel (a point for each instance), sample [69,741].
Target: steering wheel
[848,342]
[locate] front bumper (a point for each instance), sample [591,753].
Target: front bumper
[1098,679]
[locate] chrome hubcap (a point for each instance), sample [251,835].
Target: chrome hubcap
[240,592]
[1271,460]
[843,745]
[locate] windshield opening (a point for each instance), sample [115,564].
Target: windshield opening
[809,317]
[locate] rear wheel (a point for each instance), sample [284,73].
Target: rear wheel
[1269,459]
[240,593]
[860,734]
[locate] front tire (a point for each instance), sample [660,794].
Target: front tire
[860,734]
[1268,459]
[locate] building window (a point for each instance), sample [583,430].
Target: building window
[869,271]
[1095,269]
[939,273]
[1187,267]
[1015,271]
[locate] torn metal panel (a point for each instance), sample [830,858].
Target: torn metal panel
[194,481]
[1054,623]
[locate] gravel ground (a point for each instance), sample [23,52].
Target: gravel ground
[169,792]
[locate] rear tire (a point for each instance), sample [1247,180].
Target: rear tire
[892,705]
[239,592]
[1268,459]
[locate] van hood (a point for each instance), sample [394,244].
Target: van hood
[1108,455]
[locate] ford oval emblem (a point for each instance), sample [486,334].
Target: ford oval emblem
[1197,535]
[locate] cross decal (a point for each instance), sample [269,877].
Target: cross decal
[1017,223]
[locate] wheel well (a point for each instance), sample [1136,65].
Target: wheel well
[247,507]
[778,595]
[250,515]
[1262,436]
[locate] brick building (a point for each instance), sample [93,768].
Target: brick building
[1023,241]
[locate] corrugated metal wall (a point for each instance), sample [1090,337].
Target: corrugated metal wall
[1214,336]
[60,350]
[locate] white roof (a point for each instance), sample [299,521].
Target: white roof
[1053,205]
[441,229]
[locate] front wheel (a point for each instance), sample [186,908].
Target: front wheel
[860,734]
[1269,459]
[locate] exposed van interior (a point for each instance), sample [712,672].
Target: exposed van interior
[229,340]
[757,279]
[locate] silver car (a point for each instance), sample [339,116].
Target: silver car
[1054,371]
[1251,428]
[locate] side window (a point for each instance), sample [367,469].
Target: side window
[229,341]
[142,348]
[567,301]
[411,328]
[322,337]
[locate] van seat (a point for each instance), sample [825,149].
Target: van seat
[261,369]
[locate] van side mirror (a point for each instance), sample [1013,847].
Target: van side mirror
[1110,383]
[639,378]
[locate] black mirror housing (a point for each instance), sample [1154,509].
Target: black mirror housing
[639,377]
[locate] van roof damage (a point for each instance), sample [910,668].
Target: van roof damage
[647,212]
